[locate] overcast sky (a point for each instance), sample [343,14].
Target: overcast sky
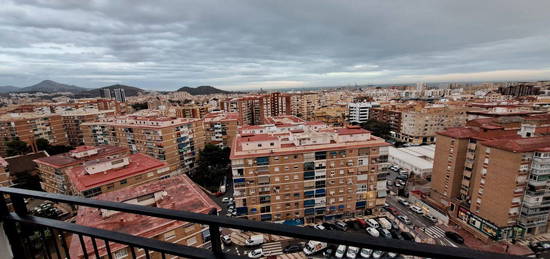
[251,44]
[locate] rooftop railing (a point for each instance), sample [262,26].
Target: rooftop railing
[19,223]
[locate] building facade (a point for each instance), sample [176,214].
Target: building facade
[220,128]
[359,111]
[72,120]
[308,172]
[420,126]
[52,169]
[176,141]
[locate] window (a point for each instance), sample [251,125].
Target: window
[265,199]
[120,254]
[309,175]
[191,241]
[125,181]
[169,235]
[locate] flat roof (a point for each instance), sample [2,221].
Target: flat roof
[408,158]
[139,164]
[65,159]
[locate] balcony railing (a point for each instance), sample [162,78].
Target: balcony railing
[19,222]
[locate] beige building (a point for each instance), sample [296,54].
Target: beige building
[73,118]
[303,105]
[308,172]
[220,128]
[333,115]
[30,126]
[492,177]
[419,126]
[176,141]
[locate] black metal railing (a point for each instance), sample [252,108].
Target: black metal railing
[18,224]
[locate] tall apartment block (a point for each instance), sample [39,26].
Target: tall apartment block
[307,172]
[174,140]
[303,105]
[390,115]
[191,111]
[117,94]
[176,193]
[29,127]
[220,128]
[420,126]
[253,110]
[53,169]
[359,111]
[73,118]
[492,176]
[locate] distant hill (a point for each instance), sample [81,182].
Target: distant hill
[128,90]
[8,88]
[49,86]
[202,90]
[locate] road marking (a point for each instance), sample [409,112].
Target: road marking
[435,232]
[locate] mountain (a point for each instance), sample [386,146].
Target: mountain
[128,90]
[202,90]
[49,86]
[8,88]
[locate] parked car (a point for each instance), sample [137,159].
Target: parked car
[407,236]
[373,232]
[353,224]
[320,227]
[328,252]
[313,247]
[430,218]
[385,233]
[226,239]
[384,223]
[395,234]
[365,252]
[404,219]
[393,211]
[361,222]
[352,252]
[416,209]
[394,225]
[377,254]
[389,182]
[225,200]
[256,253]
[454,237]
[540,246]
[372,223]
[391,255]
[329,226]
[403,202]
[293,248]
[341,225]
[340,251]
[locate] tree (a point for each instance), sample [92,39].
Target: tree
[378,128]
[213,166]
[17,147]
[139,106]
[44,144]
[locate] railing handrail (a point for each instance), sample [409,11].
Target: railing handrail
[336,237]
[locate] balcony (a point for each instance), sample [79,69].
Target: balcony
[21,222]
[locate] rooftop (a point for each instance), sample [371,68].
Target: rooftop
[221,117]
[521,144]
[65,159]
[138,164]
[175,193]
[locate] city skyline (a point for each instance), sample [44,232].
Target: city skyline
[246,45]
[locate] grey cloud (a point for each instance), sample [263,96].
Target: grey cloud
[166,44]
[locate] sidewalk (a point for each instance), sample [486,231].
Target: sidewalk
[491,246]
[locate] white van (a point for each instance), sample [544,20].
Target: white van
[313,247]
[255,240]
[372,223]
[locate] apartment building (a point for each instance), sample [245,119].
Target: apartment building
[5,180]
[253,110]
[308,172]
[113,173]
[220,128]
[358,112]
[420,126]
[176,141]
[333,115]
[176,193]
[303,105]
[53,169]
[387,114]
[73,118]
[30,126]
[191,111]
[492,177]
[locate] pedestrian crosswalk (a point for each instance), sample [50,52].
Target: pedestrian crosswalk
[299,255]
[273,248]
[435,232]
